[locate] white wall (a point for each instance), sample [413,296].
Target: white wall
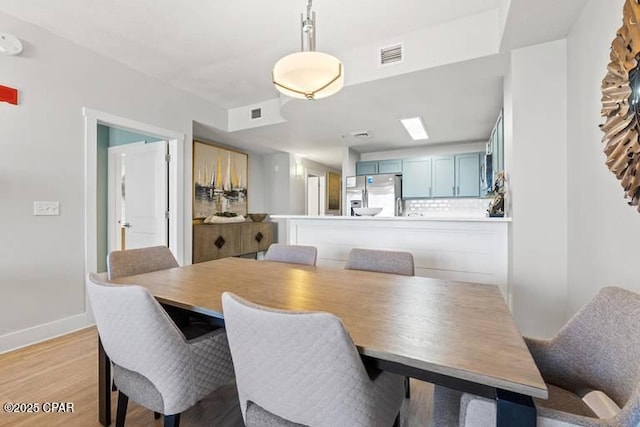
[42,258]
[536,149]
[603,229]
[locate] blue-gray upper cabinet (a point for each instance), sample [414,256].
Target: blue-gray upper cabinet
[375,167]
[444,176]
[366,168]
[389,166]
[467,167]
[416,179]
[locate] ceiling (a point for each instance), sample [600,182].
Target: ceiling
[224,52]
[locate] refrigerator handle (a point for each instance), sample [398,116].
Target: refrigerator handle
[399,206]
[365,198]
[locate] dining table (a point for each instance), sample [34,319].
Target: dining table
[455,334]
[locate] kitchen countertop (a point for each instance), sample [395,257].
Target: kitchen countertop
[395,218]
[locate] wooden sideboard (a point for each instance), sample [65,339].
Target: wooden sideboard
[214,241]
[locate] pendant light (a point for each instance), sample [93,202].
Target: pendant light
[308,74]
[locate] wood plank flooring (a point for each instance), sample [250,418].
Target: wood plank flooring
[64,369]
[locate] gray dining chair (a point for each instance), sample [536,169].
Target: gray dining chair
[302,369]
[381,261]
[131,262]
[590,367]
[294,254]
[153,363]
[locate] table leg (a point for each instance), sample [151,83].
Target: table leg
[104,386]
[515,410]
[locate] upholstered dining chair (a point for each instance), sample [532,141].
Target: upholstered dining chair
[131,262]
[591,368]
[381,261]
[302,369]
[294,254]
[153,363]
[139,261]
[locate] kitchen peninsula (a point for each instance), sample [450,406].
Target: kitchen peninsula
[469,249]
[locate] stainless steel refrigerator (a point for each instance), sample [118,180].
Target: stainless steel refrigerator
[375,191]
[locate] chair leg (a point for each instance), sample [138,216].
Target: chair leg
[172,420]
[156,415]
[396,423]
[113,386]
[407,388]
[121,412]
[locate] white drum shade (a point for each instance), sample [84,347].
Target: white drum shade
[308,75]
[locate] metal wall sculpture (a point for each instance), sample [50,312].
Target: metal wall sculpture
[621,104]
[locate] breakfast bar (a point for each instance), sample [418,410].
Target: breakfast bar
[469,249]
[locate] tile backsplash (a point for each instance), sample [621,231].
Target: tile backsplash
[446,207]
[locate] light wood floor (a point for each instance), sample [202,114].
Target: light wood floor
[65,370]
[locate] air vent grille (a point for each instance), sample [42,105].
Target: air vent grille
[256,113]
[392,54]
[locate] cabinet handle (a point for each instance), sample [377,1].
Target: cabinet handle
[458,191]
[454,190]
[429,191]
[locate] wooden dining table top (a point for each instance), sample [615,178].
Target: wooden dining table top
[461,330]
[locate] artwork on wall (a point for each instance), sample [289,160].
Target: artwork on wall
[621,104]
[219,180]
[333,191]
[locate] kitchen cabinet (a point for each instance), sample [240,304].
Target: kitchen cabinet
[389,166]
[443,176]
[496,148]
[416,178]
[366,168]
[467,171]
[375,167]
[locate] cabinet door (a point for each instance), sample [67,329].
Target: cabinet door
[256,236]
[390,166]
[214,241]
[366,168]
[500,143]
[444,177]
[468,175]
[416,178]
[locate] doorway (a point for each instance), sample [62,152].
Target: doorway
[96,209]
[315,192]
[138,195]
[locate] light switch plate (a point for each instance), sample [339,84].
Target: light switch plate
[46,208]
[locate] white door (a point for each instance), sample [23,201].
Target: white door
[313,195]
[138,195]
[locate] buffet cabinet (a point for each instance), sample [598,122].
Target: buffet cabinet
[214,241]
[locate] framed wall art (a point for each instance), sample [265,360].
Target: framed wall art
[333,191]
[220,178]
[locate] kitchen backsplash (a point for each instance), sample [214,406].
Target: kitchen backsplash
[446,207]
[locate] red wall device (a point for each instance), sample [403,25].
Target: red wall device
[8,94]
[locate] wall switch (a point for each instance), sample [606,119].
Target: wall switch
[46,208]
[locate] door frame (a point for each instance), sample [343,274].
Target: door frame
[92,118]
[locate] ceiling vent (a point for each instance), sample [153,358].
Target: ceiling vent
[392,54]
[256,113]
[360,134]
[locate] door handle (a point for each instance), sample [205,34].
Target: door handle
[126,225]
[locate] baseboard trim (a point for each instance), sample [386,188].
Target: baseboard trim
[46,331]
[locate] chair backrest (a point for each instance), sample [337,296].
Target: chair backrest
[295,254]
[302,367]
[138,261]
[138,335]
[393,262]
[599,348]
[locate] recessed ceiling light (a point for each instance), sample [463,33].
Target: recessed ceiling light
[415,127]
